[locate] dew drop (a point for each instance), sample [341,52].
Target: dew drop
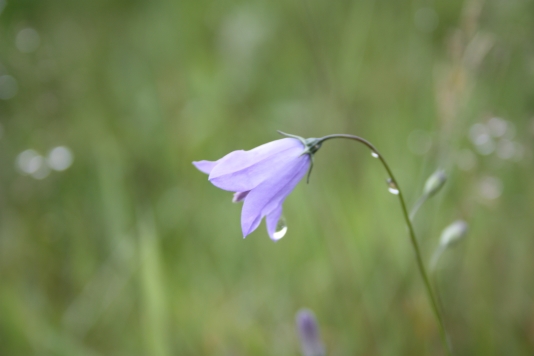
[392,187]
[393,191]
[374,154]
[281,229]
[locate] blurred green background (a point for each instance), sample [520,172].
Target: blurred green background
[112,243]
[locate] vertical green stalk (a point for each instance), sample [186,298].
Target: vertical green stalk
[393,183]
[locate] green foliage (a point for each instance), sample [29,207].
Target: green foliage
[130,251]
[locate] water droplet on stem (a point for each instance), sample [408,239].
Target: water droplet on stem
[374,154]
[392,186]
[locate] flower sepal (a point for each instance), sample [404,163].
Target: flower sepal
[311,145]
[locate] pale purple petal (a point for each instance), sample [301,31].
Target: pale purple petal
[205,166]
[262,177]
[251,224]
[239,196]
[270,194]
[272,222]
[310,338]
[241,171]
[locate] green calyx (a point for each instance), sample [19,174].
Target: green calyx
[311,145]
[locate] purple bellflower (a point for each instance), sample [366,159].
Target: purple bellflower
[309,335]
[262,178]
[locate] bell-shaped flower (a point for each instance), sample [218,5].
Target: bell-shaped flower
[309,335]
[262,177]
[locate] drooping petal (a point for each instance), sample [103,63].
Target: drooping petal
[272,222]
[241,171]
[205,166]
[270,194]
[239,196]
[250,223]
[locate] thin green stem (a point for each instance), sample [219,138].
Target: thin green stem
[435,258]
[417,205]
[434,276]
[415,244]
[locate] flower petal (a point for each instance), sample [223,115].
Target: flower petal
[239,196]
[240,171]
[248,226]
[270,194]
[272,222]
[205,166]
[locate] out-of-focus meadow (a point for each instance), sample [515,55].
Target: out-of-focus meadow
[112,243]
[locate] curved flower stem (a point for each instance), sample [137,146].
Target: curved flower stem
[413,238]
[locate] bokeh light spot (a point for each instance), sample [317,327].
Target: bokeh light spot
[29,161]
[60,158]
[497,126]
[25,161]
[27,40]
[490,188]
[481,138]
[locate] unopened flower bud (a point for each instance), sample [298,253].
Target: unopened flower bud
[435,182]
[453,233]
[310,338]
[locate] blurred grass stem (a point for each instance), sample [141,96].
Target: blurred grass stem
[417,205]
[435,257]
[413,238]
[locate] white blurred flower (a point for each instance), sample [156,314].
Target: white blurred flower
[490,188]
